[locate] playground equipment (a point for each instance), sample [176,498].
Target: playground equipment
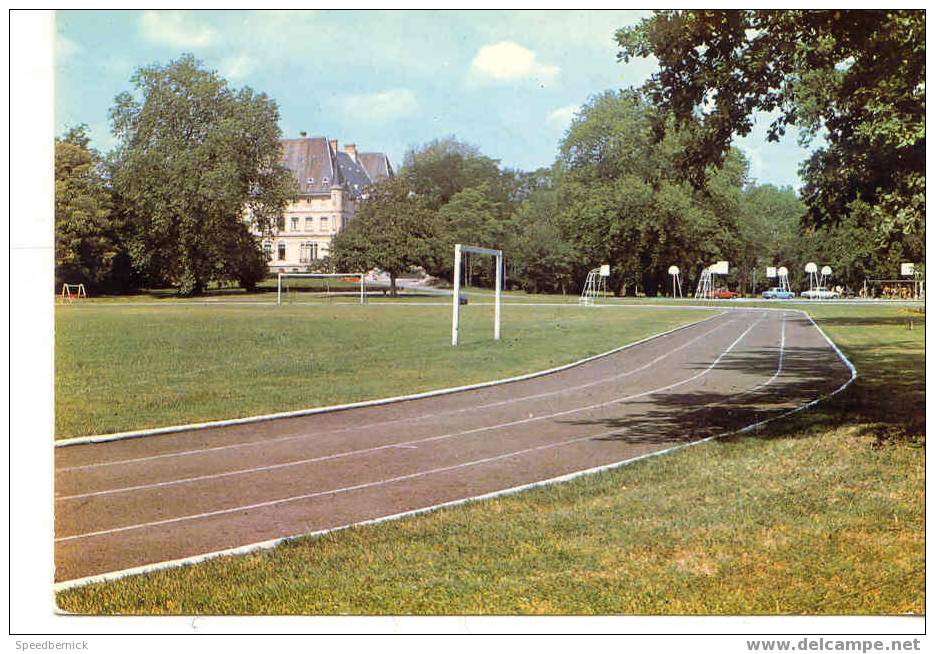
[595,286]
[72,292]
[705,289]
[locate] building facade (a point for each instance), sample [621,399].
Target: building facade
[332,181]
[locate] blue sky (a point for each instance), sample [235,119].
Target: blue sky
[508,82]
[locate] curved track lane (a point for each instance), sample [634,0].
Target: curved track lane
[124,504]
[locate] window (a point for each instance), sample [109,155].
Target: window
[324,223]
[281,251]
[295,223]
[324,181]
[309,223]
[268,251]
[308,200]
[310,181]
[281,224]
[308,252]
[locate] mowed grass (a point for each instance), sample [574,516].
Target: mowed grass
[822,513]
[125,367]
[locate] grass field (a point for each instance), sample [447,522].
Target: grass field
[129,366]
[822,513]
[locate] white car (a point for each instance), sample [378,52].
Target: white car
[820,293]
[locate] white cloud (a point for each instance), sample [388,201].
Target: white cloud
[563,115]
[237,67]
[383,106]
[508,61]
[174,29]
[65,47]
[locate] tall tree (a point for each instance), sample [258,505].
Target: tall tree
[87,230]
[442,168]
[623,201]
[540,259]
[198,166]
[857,75]
[769,232]
[394,230]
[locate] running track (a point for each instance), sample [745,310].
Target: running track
[129,503]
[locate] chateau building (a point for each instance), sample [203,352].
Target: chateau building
[332,181]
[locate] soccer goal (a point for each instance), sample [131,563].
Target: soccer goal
[313,286]
[456,296]
[72,292]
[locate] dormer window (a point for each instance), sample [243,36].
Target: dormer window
[324,180]
[310,181]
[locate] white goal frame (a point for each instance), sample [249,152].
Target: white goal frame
[456,296]
[360,276]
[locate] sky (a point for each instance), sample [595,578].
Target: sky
[508,82]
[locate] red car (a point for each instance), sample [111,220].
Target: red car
[723,294]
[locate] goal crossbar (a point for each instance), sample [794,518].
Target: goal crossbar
[456,296]
[360,276]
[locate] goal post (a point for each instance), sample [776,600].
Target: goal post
[456,296]
[361,277]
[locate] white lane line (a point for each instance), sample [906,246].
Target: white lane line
[385,423]
[782,347]
[172,429]
[336,491]
[410,476]
[276,542]
[378,448]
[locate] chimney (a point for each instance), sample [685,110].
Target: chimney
[351,151]
[303,134]
[334,145]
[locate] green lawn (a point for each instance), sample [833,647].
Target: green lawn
[131,366]
[822,513]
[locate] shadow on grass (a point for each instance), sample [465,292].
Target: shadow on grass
[889,392]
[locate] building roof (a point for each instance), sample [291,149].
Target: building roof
[353,174]
[377,165]
[318,165]
[311,162]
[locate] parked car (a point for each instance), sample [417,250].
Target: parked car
[820,293]
[776,293]
[723,294]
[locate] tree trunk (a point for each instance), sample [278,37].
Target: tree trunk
[392,284]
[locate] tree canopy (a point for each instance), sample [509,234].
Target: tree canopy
[87,228]
[856,77]
[395,229]
[623,201]
[197,165]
